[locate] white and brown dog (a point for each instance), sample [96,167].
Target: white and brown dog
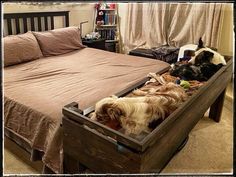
[136,113]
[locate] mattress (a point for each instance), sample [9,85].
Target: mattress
[36,91]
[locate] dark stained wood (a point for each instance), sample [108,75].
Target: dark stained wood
[101,154]
[17,26]
[35,154]
[67,19]
[92,146]
[31,16]
[24,144]
[32,24]
[9,27]
[47,170]
[39,24]
[46,23]
[79,118]
[71,165]
[52,22]
[216,107]
[25,24]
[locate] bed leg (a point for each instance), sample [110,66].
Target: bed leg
[72,166]
[47,170]
[216,107]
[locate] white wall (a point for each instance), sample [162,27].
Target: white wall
[227,38]
[78,12]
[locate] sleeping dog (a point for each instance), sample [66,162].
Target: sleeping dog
[201,67]
[136,114]
[206,55]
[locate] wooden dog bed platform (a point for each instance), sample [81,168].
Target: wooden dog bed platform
[90,144]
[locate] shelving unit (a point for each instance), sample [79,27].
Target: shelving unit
[106,24]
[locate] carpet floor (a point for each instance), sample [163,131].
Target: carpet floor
[208,150]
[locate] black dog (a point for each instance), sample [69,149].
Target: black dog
[202,70]
[187,72]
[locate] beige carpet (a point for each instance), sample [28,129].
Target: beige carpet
[209,149]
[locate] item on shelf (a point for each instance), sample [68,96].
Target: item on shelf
[107,24]
[110,19]
[93,35]
[100,18]
[112,6]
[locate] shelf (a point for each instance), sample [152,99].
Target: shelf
[106,26]
[111,40]
[108,9]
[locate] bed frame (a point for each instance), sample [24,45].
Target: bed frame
[30,19]
[89,144]
[29,22]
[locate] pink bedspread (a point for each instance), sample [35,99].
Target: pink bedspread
[35,92]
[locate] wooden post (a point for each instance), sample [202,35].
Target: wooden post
[72,166]
[216,107]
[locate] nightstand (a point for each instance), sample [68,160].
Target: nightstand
[95,43]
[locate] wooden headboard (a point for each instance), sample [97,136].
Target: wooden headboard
[29,20]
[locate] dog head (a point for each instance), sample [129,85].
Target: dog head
[185,71]
[200,44]
[107,109]
[206,55]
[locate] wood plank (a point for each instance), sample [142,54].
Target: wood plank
[9,26]
[46,22]
[216,107]
[101,154]
[102,129]
[39,24]
[52,22]
[67,19]
[47,170]
[32,24]
[71,165]
[25,25]
[17,25]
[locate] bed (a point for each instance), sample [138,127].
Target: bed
[36,91]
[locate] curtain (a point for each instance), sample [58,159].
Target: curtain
[153,24]
[145,25]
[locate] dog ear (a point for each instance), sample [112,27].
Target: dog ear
[93,116]
[114,112]
[200,43]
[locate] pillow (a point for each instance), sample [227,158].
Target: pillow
[59,41]
[20,48]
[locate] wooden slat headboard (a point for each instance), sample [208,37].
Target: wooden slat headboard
[35,18]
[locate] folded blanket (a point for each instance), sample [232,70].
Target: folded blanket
[166,53]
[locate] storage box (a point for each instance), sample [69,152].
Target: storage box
[104,150]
